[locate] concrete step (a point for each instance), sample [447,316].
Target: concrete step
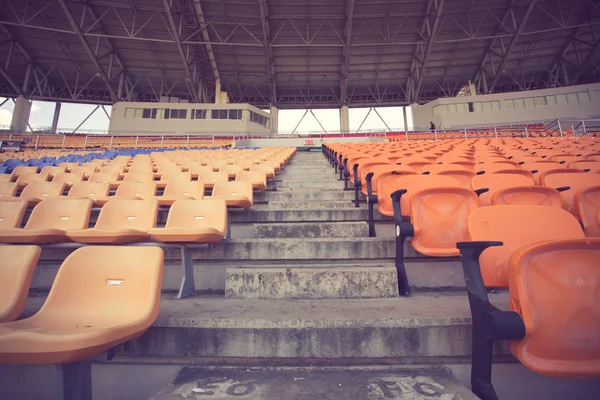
[304,195]
[416,382]
[299,174]
[421,326]
[312,230]
[311,283]
[309,183]
[302,215]
[313,205]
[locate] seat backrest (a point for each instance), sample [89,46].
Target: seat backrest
[128,214]
[575,181]
[22,170]
[527,195]
[145,176]
[592,166]
[586,207]
[26,179]
[235,188]
[101,279]
[43,189]
[439,217]
[68,177]
[386,185]
[496,182]
[90,189]
[136,189]
[107,177]
[11,213]
[251,176]
[185,188]
[8,189]
[554,287]
[198,214]
[16,272]
[516,226]
[463,177]
[170,177]
[212,177]
[60,213]
[415,183]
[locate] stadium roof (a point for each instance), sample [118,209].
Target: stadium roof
[293,54]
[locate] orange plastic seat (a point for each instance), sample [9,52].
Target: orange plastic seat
[8,189]
[210,178]
[50,221]
[120,221]
[23,170]
[180,190]
[25,179]
[495,167]
[231,170]
[197,169]
[586,207]
[85,169]
[528,195]
[38,191]
[575,182]
[139,177]
[112,178]
[258,179]
[592,166]
[53,171]
[90,190]
[553,287]
[235,194]
[6,178]
[12,213]
[516,226]
[131,190]
[496,182]
[68,178]
[463,177]
[78,319]
[16,272]
[198,221]
[412,184]
[267,169]
[170,177]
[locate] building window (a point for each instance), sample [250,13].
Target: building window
[219,114]
[519,104]
[509,104]
[129,113]
[529,102]
[561,99]
[462,108]
[235,114]
[551,100]
[198,114]
[258,118]
[540,102]
[174,113]
[572,98]
[584,97]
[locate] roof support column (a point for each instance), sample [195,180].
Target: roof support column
[344,119]
[56,117]
[274,111]
[20,116]
[345,68]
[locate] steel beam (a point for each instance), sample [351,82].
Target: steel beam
[99,71]
[189,80]
[511,46]
[585,64]
[12,83]
[207,42]
[345,67]
[433,30]
[266,31]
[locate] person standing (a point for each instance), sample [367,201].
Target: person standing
[432,126]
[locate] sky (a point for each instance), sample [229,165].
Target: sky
[71,115]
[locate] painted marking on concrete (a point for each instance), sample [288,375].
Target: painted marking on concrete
[417,388]
[220,388]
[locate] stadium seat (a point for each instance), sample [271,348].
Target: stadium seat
[120,221]
[139,177]
[258,179]
[586,207]
[111,178]
[267,169]
[173,176]
[68,178]
[552,322]
[12,213]
[516,226]
[90,190]
[53,170]
[527,195]
[592,166]
[574,182]
[408,185]
[25,179]
[197,221]
[50,221]
[38,191]
[24,170]
[231,170]
[235,194]
[180,190]
[16,272]
[8,189]
[210,178]
[131,190]
[78,319]
[494,182]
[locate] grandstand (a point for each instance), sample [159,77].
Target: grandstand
[196,252]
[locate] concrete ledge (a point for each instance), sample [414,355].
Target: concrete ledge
[313,205]
[312,230]
[311,283]
[303,215]
[309,183]
[208,326]
[304,195]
